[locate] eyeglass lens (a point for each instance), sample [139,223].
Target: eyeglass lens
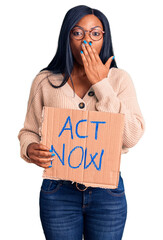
[95,34]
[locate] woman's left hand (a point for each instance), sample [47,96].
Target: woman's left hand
[94,68]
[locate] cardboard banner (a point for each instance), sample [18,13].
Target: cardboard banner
[87,145]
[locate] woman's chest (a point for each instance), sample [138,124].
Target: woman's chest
[82,91]
[64,97]
[81,87]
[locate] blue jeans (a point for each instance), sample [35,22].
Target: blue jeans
[66,212]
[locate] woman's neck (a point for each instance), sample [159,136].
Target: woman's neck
[78,71]
[78,75]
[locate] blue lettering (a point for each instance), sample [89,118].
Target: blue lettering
[70,155]
[96,129]
[63,154]
[92,161]
[84,156]
[70,128]
[83,120]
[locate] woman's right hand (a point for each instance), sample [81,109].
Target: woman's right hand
[39,154]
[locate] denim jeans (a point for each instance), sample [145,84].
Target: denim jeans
[68,213]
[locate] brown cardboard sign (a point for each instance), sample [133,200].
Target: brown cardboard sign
[87,145]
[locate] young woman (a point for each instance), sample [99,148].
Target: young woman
[83,65]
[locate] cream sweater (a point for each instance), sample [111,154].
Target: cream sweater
[115,93]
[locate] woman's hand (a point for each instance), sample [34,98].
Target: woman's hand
[39,154]
[94,68]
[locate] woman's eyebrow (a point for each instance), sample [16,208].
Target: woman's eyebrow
[91,28]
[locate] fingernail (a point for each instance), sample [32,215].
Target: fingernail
[85,41]
[53,154]
[50,166]
[51,150]
[113,57]
[81,52]
[52,159]
[90,43]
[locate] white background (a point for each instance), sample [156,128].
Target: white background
[29,36]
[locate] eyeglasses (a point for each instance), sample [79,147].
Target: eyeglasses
[78,33]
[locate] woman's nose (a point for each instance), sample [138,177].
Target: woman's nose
[87,38]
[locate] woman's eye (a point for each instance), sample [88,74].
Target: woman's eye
[97,33]
[75,33]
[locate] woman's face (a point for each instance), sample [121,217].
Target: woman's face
[87,22]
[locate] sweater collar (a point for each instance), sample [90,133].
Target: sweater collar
[56,79]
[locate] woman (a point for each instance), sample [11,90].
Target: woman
[83,63]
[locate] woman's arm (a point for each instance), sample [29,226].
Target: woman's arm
[124,102]
[30,132]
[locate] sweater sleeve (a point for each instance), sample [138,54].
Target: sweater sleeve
[124,102]
[30,132]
